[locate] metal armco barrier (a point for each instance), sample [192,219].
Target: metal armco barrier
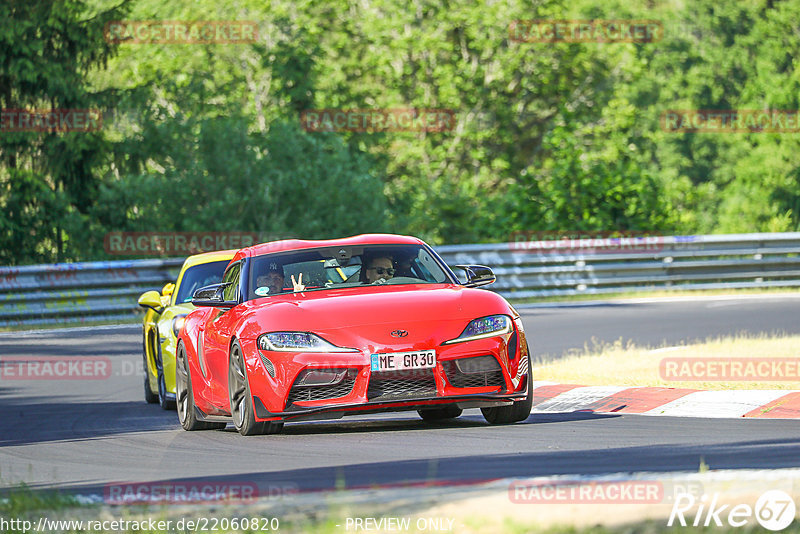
[552,268]
[79,292]
[100,291]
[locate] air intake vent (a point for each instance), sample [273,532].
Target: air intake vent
[342,388]
[478,372]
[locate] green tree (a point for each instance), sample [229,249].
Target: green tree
[49,180]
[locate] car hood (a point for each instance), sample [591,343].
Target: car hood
[366,317]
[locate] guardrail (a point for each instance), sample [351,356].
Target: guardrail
[79,292]
[529,269]
[104,291]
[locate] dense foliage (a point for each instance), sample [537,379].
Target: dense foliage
[548,135]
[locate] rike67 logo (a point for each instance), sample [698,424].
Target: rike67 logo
[774,510]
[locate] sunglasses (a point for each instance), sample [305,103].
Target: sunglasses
[383,270]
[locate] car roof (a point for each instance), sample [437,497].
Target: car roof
[208,257]
[301,244]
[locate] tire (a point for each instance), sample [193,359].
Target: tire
[440,414]
[519,411]
[166,404]
[149,396]
[241,400]
[187,414]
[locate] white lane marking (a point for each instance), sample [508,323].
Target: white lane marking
[716,404]
[577,399]
[722,304]
[541,383]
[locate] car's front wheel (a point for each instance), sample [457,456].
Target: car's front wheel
[519,411]
[187,414]
[241,400]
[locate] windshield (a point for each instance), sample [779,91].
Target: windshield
[198,276]
[339,267]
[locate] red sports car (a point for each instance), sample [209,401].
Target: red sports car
[301,330]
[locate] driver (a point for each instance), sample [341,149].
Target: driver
[379,267]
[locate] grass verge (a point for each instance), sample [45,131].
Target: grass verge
[631,365]
[486,513]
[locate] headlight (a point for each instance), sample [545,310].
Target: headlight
[297,342]
[493,325]
[177,323]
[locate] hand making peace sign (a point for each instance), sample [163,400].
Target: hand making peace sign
[298,285]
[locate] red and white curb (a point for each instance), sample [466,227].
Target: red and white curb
[550,397]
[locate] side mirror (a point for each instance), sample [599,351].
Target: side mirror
[212,296]
[478,275]
[167,290]
[151,300]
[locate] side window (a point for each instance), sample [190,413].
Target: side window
[231,292]
[427,266]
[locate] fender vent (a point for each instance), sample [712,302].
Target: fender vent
[512,346]
[268,364]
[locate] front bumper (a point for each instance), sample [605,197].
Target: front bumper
[273,380]
[338,411]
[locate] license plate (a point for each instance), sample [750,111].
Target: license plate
[400,361]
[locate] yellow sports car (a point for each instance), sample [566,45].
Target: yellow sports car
[164,318]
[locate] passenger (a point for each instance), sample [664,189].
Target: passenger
[273,279]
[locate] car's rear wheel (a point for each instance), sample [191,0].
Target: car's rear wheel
[519,411]
[241,400]
[149,396]
[439,414]
[187,413]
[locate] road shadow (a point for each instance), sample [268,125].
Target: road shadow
[471,469]
[36,420]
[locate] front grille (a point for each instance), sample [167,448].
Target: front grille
[390,385]
[484,371]
[312,393]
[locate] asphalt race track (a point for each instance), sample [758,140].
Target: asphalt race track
[83,434]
